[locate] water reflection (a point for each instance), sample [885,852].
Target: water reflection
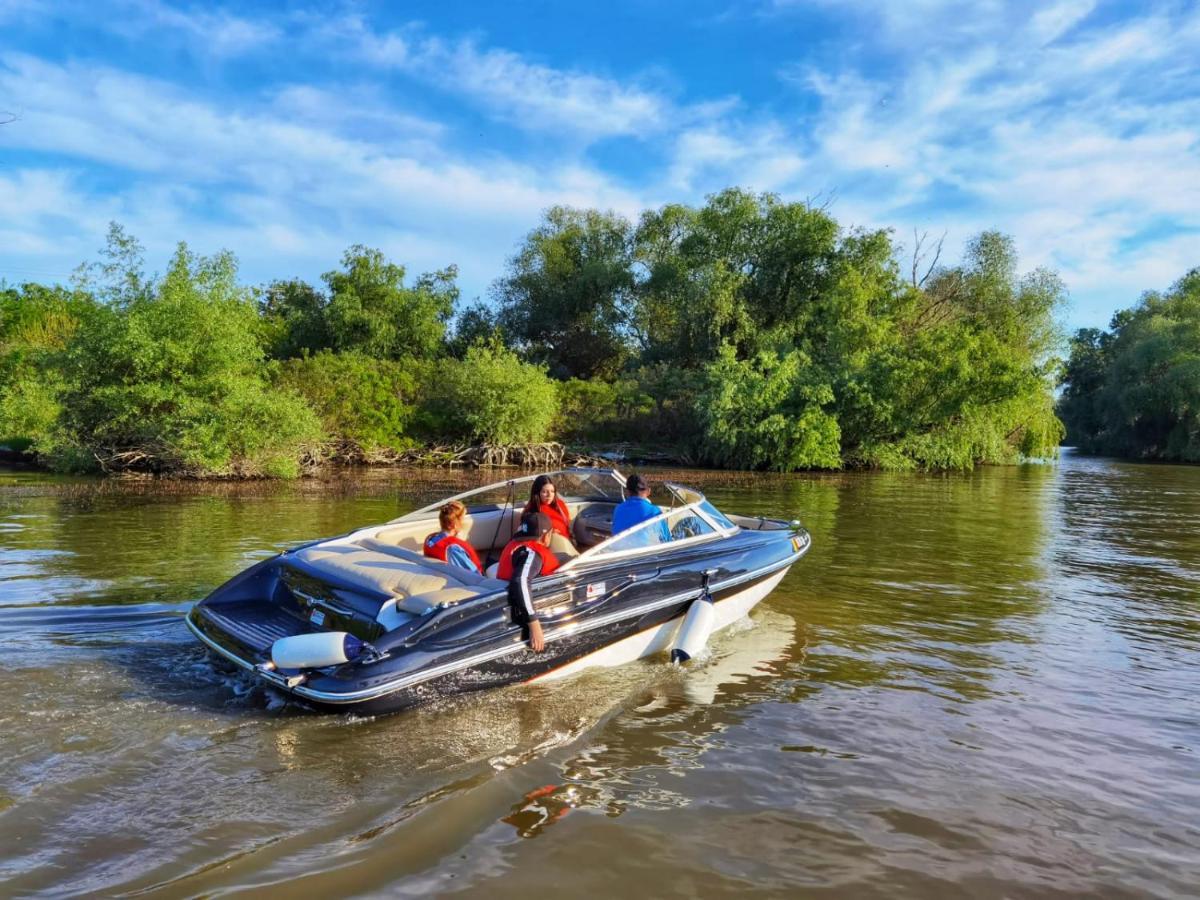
[919,579]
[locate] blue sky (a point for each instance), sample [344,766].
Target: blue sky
[439,132]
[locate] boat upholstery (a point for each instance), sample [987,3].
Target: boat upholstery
[416,586]
[391,561]
[466,576]
[478,529]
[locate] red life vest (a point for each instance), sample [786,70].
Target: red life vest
[557,513]
[504,571]
[439,549]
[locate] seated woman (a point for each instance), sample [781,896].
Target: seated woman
[446,545]
[543,498]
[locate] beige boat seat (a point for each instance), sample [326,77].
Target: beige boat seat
[416,586]
[485,531]
[417,558]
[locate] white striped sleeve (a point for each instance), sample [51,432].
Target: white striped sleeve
[526,574]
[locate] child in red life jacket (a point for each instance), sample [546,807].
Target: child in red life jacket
[526,557]
[446,545]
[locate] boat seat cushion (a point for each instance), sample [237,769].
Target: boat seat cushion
[466,576]
[380,572]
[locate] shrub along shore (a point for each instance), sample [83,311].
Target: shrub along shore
[748,333]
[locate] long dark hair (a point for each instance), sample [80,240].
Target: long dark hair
[538,483]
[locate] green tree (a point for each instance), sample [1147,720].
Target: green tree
[36,324]
[567,297]
[1084,377]
[767,413]
[119,278]
[172,379]
[371,311]
[492,396]
[1135,392]
[366,402]
[965,372]
[293,317]
[475,324]
[745,270]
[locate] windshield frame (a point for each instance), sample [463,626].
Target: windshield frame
[426,512]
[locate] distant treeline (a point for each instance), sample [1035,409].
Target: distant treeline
[748,333]
[1134,390]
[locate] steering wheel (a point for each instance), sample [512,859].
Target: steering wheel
[685,528]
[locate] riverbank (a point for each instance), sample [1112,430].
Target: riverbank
[348,458]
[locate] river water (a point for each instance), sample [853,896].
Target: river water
[982,685]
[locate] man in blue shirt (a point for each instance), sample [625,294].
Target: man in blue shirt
[637,508]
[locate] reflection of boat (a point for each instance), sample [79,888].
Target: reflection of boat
[365,622]
[668,729]
[754,652]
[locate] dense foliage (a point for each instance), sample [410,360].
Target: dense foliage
[170,376]
[367,309]
[1134,390]
[493,397]
[748,332]
[565,301]
[367,403]
[764,335]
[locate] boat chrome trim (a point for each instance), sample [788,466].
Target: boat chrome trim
[416,678]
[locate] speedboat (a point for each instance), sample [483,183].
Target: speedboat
[365,622]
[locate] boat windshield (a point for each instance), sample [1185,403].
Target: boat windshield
[683,495]
[691,523]
[572,485]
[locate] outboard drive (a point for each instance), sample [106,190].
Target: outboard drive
[316,650]
[697,625]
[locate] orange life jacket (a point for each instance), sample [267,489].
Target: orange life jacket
[505,570]
[438,549]
[557,513]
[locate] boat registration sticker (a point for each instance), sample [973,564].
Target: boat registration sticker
[595,590]
[317,617]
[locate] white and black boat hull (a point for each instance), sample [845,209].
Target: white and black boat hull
[592,617]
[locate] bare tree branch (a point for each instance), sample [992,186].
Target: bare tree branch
[919,254]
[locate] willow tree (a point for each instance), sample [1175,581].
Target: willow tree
[171,378]
[567,298]
[372,311]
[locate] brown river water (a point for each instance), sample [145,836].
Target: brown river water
[982,685]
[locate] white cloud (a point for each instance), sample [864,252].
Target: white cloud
[575,105]
[1058,133]
[287,193]
[1051,22]
[539,96]
[706,157]
[216,31]
[1075,137]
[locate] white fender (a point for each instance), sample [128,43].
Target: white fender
[315,651]
[693,632]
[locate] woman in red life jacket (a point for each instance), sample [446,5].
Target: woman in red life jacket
[526,557]
[446,545]
[543,498]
